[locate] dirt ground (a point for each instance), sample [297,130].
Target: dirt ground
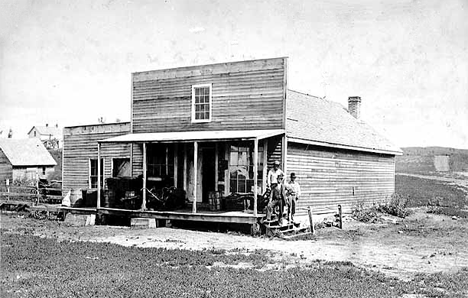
[421,243]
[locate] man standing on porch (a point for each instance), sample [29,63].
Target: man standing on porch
[272,178]
[278,199]
[293,191]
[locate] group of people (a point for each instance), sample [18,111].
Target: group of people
[282,193]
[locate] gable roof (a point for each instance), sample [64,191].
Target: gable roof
[47,130]
[26,152]
[316,121]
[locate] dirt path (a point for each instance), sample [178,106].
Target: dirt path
[420,243]
[393,249]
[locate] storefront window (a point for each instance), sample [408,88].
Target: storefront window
[241,167]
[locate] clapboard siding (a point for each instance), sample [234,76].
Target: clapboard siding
[81,145]
[275,151]
[330,177]
[6,169]
[245,95]
[137,160]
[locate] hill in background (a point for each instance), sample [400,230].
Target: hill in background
[430,160]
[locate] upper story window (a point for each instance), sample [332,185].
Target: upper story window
[201,103]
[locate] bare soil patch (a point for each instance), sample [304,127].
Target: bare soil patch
[421,243]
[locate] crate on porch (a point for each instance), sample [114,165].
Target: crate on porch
[215,200]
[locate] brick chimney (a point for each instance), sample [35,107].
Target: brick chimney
[354,106]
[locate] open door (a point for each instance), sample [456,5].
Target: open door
[206,173]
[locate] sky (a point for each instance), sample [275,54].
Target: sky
[70,62]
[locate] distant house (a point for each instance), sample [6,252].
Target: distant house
[220,127]
[51,136]
[24,159]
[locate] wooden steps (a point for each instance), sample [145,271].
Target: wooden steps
[273,228]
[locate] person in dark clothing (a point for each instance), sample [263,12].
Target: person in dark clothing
[278,198]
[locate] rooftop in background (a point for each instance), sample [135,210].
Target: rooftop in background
[47,130]
[317,121]
[26,152]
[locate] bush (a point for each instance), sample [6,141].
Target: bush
[361,213]
[397,206]
[24,182]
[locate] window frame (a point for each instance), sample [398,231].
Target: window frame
[113,160]
[246,147]
[94,176]
[210,104]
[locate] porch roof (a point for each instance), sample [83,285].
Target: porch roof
[190,136]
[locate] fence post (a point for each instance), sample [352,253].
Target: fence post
[312,229]
[340,217]
[7,182]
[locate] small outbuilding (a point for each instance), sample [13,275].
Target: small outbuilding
[24,159]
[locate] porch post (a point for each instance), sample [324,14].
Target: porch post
[265,164]
[255,169]
[143,203]
[216,167]
[185,168]
[195,174]
[176,164]
[284,157]
[98,200]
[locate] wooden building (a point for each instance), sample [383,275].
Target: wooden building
[24,159]
[220,127]
[80,155]
[51,136]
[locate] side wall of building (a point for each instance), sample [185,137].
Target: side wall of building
[5,169]
[81,145]
[329,177]
[32,172]
[245,95]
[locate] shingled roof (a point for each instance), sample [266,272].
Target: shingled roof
[47,130]
[317,121]
[26,152]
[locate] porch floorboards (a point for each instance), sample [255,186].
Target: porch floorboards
[182,214]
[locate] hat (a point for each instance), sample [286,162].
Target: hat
[276,163]
[293,175]
[280,176]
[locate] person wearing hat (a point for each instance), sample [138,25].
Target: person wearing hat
[272,178]
[278,198]
[293,193]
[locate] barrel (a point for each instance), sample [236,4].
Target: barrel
[214,198]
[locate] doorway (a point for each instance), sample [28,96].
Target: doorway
[208,175]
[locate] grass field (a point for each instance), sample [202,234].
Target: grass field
[42,267]
[446,198]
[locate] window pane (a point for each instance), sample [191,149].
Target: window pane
[249,186]
[233,185]
[242,158]
[242,172]
[241,187]
[234,157]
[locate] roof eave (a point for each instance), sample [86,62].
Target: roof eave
[342,146]
[176,137]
